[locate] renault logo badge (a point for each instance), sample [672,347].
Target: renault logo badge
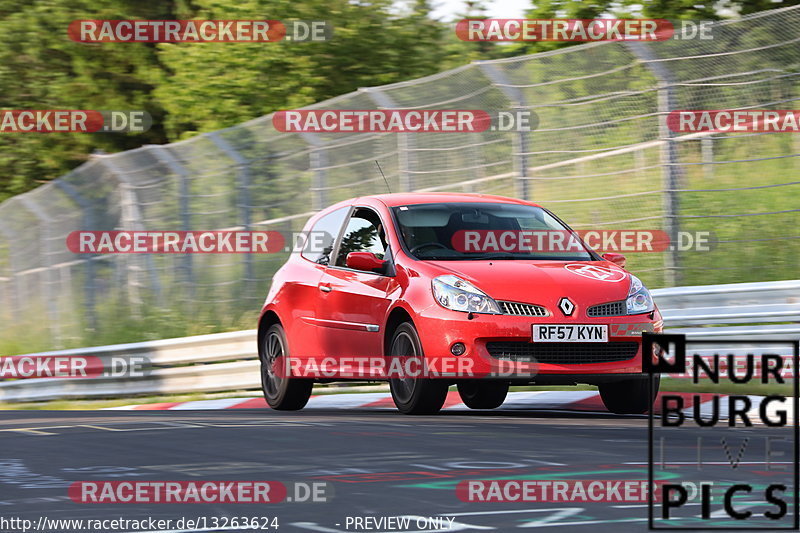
[566,306]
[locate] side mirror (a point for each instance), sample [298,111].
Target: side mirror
[364,261]
[617,259]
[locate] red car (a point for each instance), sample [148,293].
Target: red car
[390,277]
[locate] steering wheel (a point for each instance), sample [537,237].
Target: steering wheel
[426,245]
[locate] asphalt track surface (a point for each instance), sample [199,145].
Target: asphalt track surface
[377,464]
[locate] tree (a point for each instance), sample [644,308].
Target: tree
[215,85]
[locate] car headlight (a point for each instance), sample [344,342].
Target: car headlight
[457,294]
[639,298]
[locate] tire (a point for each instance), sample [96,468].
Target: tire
[281,392]
[411,395]
[629,396]
[480,394]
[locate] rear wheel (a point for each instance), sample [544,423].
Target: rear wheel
[414,395]
[281,391]
[479,394]
[630,396]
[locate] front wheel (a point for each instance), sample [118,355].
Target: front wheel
[479,394]
[414,395]
[282,392]
[630,396]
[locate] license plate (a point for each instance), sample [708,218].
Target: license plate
[570,333]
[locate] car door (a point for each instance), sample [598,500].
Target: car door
[300,291]
[353,303]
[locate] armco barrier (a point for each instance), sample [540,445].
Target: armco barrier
[228,361]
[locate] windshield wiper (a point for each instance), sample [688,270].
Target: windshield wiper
[438,257]
[498,255]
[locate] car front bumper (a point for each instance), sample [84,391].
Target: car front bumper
[501,346]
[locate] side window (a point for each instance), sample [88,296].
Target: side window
[364,233]
[319,241]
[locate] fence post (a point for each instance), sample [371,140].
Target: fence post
[318,163]
[131,221]
[46,252]
[243,184]
[522,139]
[406,161]
[88,224]
[164,155]
[669,157]
[707,153]
[16,293]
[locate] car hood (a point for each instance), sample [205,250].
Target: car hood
[543,282]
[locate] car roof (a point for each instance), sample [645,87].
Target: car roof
[397,199]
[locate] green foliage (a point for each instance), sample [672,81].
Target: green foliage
[41,68]
[191,88]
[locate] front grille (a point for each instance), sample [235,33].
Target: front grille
[609,309]
[563,353]
[514,308]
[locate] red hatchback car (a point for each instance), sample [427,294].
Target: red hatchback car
[388,278]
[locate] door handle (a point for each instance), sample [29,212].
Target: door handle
[325,288]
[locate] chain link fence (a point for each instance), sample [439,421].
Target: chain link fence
[601,157]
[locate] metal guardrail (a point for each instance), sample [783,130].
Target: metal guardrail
[202,363]
[228,361]
[738,303]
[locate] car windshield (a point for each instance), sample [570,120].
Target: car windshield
[475,231]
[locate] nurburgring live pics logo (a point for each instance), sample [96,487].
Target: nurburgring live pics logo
[669,354]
